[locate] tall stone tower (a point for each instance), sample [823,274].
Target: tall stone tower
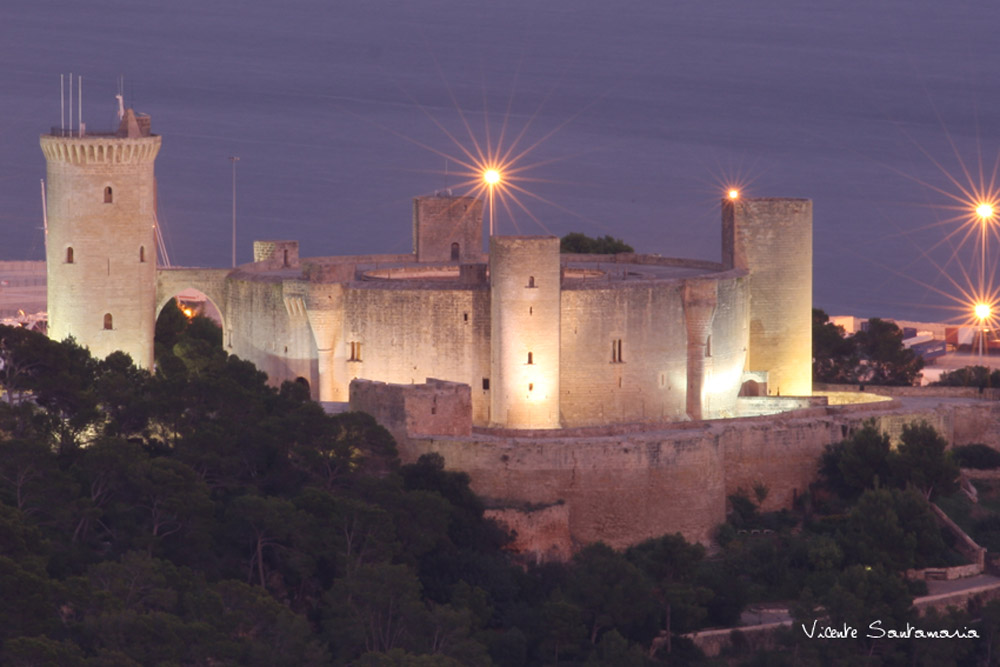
[447,228]
[772,239]
[101,245]
[525,293]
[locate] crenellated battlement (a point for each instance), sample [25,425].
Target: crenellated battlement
[100,149]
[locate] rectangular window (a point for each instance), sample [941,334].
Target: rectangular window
[486,384]
[355,351]
[616,351]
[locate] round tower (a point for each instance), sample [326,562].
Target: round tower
[100,244]
[772,239]
[525,295]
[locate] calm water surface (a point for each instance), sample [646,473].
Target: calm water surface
[637,114]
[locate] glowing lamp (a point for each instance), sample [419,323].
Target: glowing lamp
[985,211]
[983,311]
[491,176]
[734,194]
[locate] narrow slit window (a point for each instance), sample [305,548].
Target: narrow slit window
[69,255]
[455,248]
[142,254]
[531,386]
[108,197]
[616,351]
[531,281]
[355,351]
[284,261]
[531,359]
[708,347]
[108,321]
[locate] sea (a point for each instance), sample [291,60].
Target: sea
[627,118]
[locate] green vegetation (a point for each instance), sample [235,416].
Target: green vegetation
[199,516]
[865,462]
[575,242]
[970,376]
[875,356]
[980,457]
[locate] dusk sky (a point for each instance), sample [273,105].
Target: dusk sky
[639,115]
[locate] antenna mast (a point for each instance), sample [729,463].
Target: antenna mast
[121,97]
[45,218]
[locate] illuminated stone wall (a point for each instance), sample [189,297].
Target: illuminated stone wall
[646,379]
[268,325]
[406,335]
[101,248]
[625,488]
[525,290]
[625,351]
[772,238]
[614,350]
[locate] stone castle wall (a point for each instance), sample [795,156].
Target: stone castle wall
[269,330]
[447,228]
[638,484]
[101,248]
[407,335]
[525,320]
[772,238]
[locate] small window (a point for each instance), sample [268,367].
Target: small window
[708,347]
[531,359]
[108,323]
[284,261]
[108,198]
[531,281]
[355,351]
[142,254]
[454,252]
[531,386]
[465,317]
[69,255]
[616,351]
[486,384]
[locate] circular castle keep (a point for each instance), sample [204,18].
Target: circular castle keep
[542,340]
[557,381]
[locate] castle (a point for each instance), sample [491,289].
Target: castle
[588,397]
[543,340]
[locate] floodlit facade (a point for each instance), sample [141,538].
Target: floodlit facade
[544,340]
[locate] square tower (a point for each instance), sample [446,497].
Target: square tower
[447,228]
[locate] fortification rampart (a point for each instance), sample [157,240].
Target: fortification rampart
[625,486]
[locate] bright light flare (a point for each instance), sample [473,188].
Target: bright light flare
[985,211]
[983,311]
[491,176]
[733,193]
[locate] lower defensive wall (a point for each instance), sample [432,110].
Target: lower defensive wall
[624,483]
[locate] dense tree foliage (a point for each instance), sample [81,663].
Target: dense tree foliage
[835,357]
[970,376]
[866,461]
[874,355]
[575,242]
[976,456]
[199,516]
